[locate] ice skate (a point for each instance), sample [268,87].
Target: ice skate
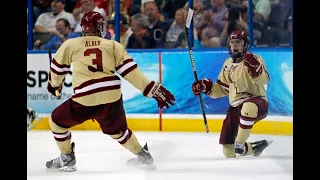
[63,163]
[143,159]
[239,149]
[259,146]
[33,119]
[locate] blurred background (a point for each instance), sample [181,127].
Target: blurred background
[159,24]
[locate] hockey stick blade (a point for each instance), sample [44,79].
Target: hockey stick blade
[188,22]
[58,95]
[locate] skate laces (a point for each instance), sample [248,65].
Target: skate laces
[239,148]
[61,160]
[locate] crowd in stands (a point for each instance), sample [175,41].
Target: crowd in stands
[160,23]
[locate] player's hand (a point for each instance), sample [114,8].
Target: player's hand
[203,85]
[253,64]
[160,94]
[53,90]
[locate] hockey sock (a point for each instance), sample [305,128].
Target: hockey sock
[243,135]
[128,140]
[62,137]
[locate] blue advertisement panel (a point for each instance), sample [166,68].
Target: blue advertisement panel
[177,76]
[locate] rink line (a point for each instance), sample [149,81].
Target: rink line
[274,125]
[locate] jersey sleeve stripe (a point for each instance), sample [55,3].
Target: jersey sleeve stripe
[59,65]
[124,70]
[97,85]
[59,69]
[225,86]
[124,63]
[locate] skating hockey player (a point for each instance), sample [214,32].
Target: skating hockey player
[97,93]
[242,78]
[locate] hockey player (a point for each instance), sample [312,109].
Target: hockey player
[242,78]
[97,93]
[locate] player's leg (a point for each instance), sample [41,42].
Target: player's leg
[252,111]
[229,132]
[65,116]
[115,125]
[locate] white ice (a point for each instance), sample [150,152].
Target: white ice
[178,156]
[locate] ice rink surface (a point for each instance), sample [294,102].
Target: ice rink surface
[178,156]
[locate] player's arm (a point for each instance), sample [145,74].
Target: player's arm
[128,69]
[221,87]
[59,68]
[215,90]
[256,69]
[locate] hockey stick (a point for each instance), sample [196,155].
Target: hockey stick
[186,30]
[58,95]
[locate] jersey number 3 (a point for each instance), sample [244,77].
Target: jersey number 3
[97,61]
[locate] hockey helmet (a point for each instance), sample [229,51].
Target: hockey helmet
[238,44]
[93,23]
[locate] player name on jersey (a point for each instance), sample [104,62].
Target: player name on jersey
[92,43]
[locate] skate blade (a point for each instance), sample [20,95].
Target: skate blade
[143,166]
[63,169]
[149,167]
[269,142]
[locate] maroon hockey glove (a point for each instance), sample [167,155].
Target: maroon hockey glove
[52,90]
[160,94]
[253,64]
[203,85]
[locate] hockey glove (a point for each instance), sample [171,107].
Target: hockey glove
[203,85]
[52,90]
[253,64]
[160,94]
[56,91]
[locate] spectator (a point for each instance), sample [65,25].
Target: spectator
[40,6]
[104,4]
[134,9]
[262,10]
[237,19]
[160,16]
[218,13]
[63,32]
[46,22]
[123,11]
[208,22]
[124,28]
[235,23]
[86,5]
[142,34]
[182,41]
[177,26]
[158,29]
[198,13]
[207,34]
[286,34]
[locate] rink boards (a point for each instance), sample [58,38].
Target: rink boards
[173,69]
[276,125]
